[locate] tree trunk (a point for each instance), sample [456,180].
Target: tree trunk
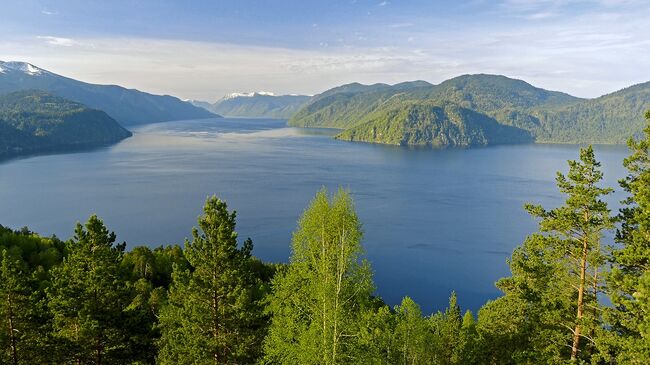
[581,290]
[98,350]
[12,331]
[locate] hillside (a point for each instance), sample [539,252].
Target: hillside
[35,121]
[257,105]
[127,106]
[346,105]
[426,124]
[547,116]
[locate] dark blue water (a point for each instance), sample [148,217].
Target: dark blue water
[435,221]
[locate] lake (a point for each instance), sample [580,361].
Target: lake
[434,220]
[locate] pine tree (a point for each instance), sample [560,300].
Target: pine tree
[211,313]
[87,297]
[556,274]
[318,302]
[14,306]
[629,280]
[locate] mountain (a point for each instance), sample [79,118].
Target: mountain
[127,106]
[346,105]
[547,116]
[257,104]
[422,123]
[33,121]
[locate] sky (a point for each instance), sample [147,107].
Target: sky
[204,49]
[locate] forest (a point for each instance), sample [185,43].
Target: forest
[573,297]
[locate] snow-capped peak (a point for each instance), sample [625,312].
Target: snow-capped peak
[247,95]
[24,67]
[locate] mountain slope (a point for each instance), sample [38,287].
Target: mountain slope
[127,106]
[422,123]
[258,105]
[346,105]
[34,121]
[548,116]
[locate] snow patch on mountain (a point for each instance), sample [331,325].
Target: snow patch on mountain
[248,95]
[24,67]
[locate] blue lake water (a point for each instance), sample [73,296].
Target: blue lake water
[434,220]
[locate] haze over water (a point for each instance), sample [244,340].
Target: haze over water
[435,221]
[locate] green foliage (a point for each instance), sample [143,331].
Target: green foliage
[87,297]
[318,301]
[212,311]
[556,273]
[629,280]
[34,121]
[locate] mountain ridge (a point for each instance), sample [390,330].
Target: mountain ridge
[127,106]
[549,116]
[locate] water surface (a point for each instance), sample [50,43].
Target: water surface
[434,221]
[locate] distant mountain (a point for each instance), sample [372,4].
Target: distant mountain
[127,106]
[33,121]
[547,116]
[256,104]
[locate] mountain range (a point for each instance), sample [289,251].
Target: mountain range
[465,111]
[34,121]
[127,106]
[256,105]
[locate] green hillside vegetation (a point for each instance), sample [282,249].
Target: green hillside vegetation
[89,301]
[35,121]
[422,123]
[549,116]
[347,105]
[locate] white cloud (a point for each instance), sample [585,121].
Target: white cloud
[57,41]
[49,12]
[383,3]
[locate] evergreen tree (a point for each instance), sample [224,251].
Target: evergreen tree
[87,297]
[629,280]
[14,306]
[412,335]
[447,328]
[319,300]
[556,274]
[212,311]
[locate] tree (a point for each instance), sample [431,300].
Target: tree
[447,327]
[14,303]
[412,335]
[319,300]
[556,273]
[212,310]
[629,280]
[87,296]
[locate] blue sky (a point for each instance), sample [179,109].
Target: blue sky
[205,49]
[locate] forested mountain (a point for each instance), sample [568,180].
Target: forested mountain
[35,121]
[422,123]
[89,301]
[549,116]
[127,106]
[347,105]
[255,105]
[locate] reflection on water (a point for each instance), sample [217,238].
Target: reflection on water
[435,221]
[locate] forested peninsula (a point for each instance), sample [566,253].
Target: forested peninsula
[573,296]
[34,121]
[474,110]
